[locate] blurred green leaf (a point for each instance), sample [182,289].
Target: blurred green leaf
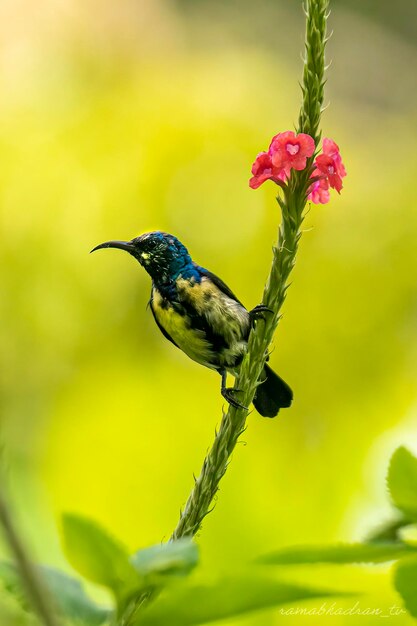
[190,604]
[176,558]
[67,593]
[97,556]
[408,534]
[72,600]
[341,553]
[388,531]
[402,481]
[12,612]
[405,581]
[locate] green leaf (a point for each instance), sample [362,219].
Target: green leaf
[340,553]
[408,535]
[67,593]
[97,556]
[405,581]
[12,613]
[176,558]
[189,604]
[388,531]
[72,600]
[402,481]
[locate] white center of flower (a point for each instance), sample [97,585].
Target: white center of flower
[292,149]
[330,169]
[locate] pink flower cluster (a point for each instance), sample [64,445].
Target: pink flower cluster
[290,151]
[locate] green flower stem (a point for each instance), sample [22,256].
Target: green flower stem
[36,593]
[292,203]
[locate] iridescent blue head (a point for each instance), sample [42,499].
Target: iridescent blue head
[162,255]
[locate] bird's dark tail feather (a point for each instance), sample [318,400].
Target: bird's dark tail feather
[272,394]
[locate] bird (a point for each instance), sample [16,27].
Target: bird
[195,310]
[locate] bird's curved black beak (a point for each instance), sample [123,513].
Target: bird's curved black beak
[123,245]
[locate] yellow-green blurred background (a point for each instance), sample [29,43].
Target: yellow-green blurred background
[122,117]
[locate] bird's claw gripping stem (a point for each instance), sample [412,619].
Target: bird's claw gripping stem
[228,392]
[228,395]
[258,313]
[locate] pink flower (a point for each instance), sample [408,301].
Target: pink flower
[332,150]
[319,190]
[290,151]
[329,172]
[263,170]
[330,164]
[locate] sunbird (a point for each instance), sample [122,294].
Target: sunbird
[199,314]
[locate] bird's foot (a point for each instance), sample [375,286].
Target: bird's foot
[228,395]
[258,313]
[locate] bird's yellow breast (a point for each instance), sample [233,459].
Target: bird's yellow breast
[192,341]
[209,326]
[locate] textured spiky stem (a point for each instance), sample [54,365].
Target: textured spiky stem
[292,203]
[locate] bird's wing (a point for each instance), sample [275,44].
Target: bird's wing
[161,328]
[218,282]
